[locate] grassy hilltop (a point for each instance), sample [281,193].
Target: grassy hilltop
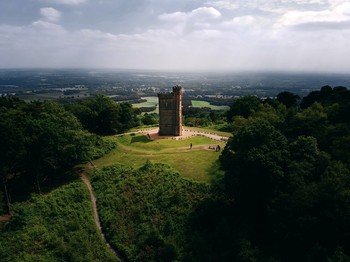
[199,163]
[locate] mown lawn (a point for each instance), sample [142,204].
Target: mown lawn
[199,163]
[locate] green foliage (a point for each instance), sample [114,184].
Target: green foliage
[202,117]
[287,175]
[243,106]
[150,119]
[41,140]
[145,212]
[103,116]
[256,153]
[58,226]
[288,99]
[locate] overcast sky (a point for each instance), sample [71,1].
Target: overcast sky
[298,35]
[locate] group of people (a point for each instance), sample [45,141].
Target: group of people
[217,147]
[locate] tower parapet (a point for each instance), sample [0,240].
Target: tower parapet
[170,112]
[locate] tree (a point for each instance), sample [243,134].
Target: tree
[310,121]
[243,106]
[150,119]
[39,140]
[254,161]
[103,116]
[288,99]
[12,147]
[51,134]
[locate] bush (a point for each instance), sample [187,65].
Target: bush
[145,212]
[54,227]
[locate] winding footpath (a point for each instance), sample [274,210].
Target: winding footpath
[86,181]
[152,134]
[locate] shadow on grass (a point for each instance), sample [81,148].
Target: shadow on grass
[141,139]
[21,188]
[215,173]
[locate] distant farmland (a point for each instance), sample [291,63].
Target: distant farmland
[152,101]
[197,103]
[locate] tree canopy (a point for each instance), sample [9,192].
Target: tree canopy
[287,182]
[40,140]
[103,116]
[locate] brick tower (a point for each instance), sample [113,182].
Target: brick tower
[170,112]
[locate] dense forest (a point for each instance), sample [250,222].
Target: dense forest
[285,195]
[287,182]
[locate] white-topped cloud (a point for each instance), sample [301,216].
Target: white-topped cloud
[50,14]
[199,14]
[336,15]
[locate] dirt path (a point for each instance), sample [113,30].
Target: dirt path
[4,219]
[96,217]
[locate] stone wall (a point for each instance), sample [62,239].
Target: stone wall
[170,112]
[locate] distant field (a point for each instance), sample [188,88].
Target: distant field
[196,103]
[199,163]
[151,101]
[209,130]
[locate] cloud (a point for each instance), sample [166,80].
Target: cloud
[247,21]
[66,2]
[176,16]
[50,14]
[199,14]
[223,4]
[187,22]
[328,18]
[204,13]
[44,25]
[223,34]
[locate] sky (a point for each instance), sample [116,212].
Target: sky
[282,35]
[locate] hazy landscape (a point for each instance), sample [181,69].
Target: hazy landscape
[124,85]
[249,161]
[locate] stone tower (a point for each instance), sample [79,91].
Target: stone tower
[170,112]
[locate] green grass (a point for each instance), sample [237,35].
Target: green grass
[151,102]
[209,130]
[58,226]
[199,163]
[198,103]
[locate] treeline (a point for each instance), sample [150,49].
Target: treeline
[203,117]
[287,182]
[40,141]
